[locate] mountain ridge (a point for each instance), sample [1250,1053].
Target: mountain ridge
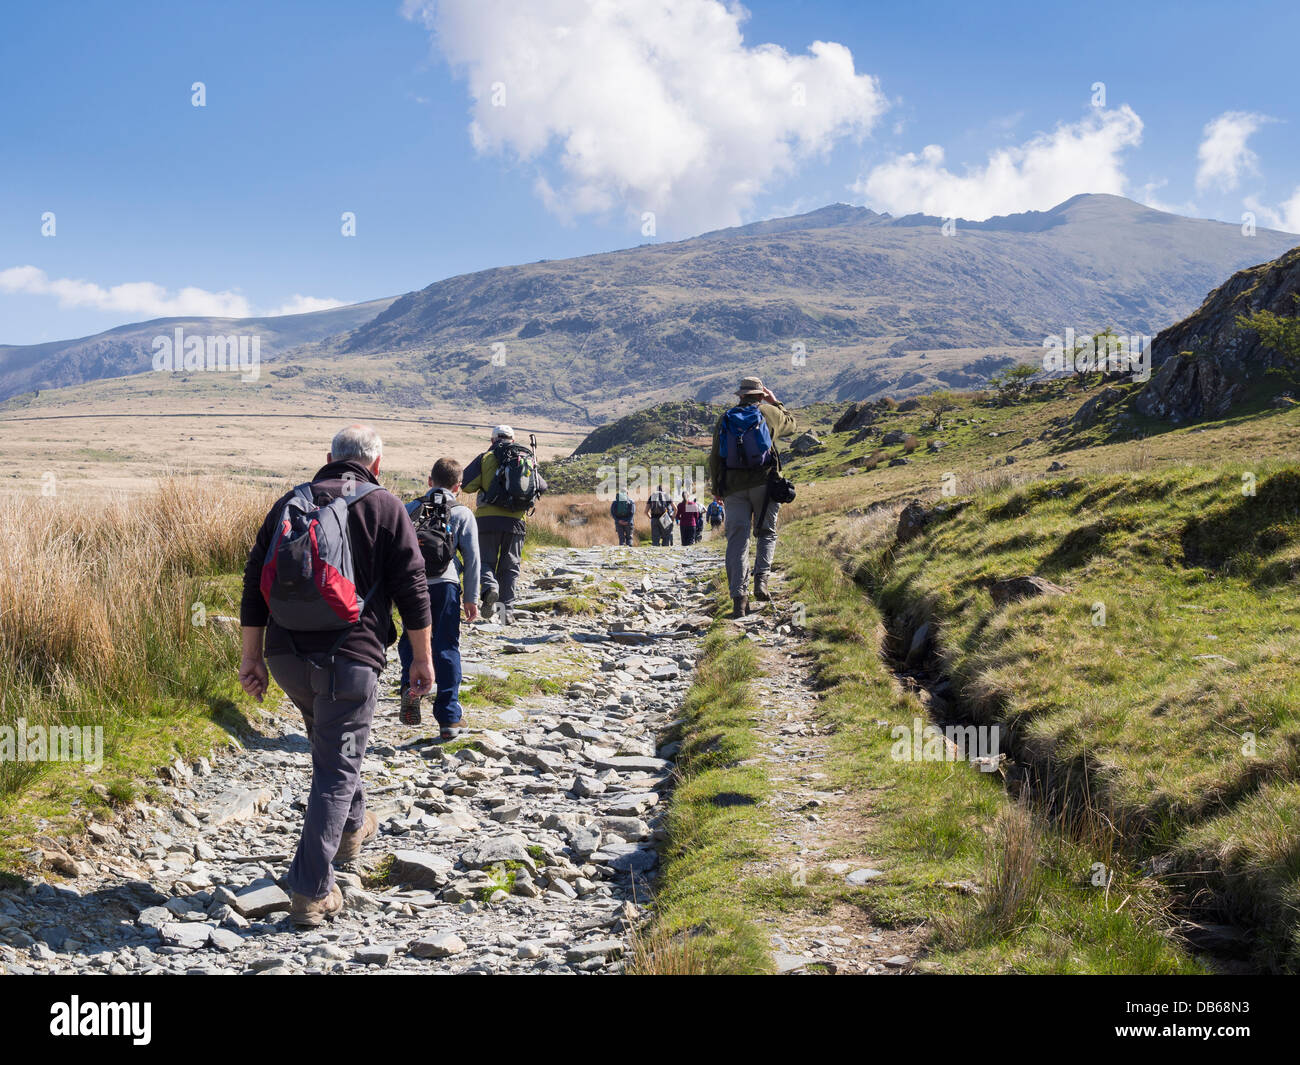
[841,302]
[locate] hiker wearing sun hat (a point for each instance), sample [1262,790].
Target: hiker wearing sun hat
[743,458]
[508,484]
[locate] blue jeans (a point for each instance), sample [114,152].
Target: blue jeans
[444,601]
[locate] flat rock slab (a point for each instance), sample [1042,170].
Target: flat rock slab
[600,948]
[259,899]
[509,848]
[422,870]
[635,764]
[438,946]
[237,804]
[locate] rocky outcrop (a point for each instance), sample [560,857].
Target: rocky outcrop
[805,444]
[1192,386]
[1087,414]
[1203,362]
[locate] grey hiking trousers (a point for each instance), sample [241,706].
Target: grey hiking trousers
[743,509]
[338,726]
[500,556]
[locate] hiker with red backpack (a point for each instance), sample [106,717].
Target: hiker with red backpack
[745,469]
[329,561]
[444,529]
[508,484]
[690,517]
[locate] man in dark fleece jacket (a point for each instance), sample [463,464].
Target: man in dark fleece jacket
[337,694]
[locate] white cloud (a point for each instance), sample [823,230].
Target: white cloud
[647,105]
[303,305]
[1286,216]
[1084,156]
[145,299]
[1148,196]
[1223,155]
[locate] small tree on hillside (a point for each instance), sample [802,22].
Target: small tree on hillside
[1011,382]
[938,404]
[1276,332]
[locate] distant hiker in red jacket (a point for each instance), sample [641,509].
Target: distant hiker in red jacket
[690,516]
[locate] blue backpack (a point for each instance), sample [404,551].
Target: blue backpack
[745,441]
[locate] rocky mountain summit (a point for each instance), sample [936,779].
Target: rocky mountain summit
[837,304]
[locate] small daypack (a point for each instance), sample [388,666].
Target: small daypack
[745,441]
[659,504]
[715,512]
[623,510]
[433,532]
[517,483]
[308,578]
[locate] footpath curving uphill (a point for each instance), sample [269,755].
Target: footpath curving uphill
[523,847]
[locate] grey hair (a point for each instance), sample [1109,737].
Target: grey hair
[356,442]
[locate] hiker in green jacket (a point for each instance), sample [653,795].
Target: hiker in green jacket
[501,528]
[740,477]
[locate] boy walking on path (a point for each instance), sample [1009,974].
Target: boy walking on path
[744,455]
[659,504]
[444,526]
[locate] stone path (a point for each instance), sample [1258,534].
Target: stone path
[524,847]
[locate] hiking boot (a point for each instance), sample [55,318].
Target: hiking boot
[451,732]
[739,606]
[490,594]
[352,842]
[760,588]
[308,913]
[410,712]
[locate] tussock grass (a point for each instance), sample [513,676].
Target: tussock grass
[702,922]
[937,828]
[99,601]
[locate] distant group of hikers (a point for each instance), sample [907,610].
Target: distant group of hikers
[335,555]
[331,560]
[744,470]
[688,515]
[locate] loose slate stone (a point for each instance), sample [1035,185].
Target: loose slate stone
[510,848]
[260,898]
[437,946]
[419,869]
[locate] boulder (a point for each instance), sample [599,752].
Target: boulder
[1011,589]
[911,521]
[805,444]
[1087,414]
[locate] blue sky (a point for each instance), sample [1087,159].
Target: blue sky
[695,114]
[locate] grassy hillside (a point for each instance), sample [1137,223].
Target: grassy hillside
[1150,711]
[1158,693]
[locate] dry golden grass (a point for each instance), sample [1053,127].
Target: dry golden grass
[581,520]
[97,597]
